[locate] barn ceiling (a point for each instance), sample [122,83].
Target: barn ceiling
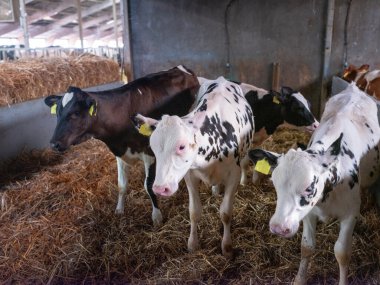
[58,19]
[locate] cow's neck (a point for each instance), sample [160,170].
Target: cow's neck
[113,126]
[112,115]
[267,115]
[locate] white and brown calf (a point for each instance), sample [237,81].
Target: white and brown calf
[323,181]
[209,145]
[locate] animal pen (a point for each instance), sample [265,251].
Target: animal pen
[58,221]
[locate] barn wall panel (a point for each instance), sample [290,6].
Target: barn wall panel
[171,32]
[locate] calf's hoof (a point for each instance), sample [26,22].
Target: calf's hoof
[119,211]
[227,251]
[157,218]
[299,281]
[192,246]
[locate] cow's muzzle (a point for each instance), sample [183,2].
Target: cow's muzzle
[57,146]
[283,230]
[164,190]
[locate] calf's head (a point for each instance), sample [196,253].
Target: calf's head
[74,112]
[296,109]
[299,178]
[174,145]
[352,73]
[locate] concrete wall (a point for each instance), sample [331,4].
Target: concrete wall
[165,33]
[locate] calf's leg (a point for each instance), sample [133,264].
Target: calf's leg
[122,182]
[343,245]
[343,248]
[244,170]
[307,247]
[226,211]
[150,170]
[195,209]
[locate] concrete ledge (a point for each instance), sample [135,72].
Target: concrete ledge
[338,85]
[29,125]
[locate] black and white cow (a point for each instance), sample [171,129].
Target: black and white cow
[105,115]
[323,180]
[208,145]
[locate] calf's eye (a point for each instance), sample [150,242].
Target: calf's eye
[75,115]
[181,147]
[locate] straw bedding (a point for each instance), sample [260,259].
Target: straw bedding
[58,226]
[31,78]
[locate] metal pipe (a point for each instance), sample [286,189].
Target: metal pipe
[115,22]
[79,12]
[327,54]
[24,24]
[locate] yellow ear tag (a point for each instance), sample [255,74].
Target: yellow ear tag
[53,109]
[275,100]
[91,111]
[145,130]
[263,166]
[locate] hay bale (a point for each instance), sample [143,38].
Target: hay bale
[58,225]
[31,78]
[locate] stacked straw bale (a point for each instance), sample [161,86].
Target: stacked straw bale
[58,225]
[31,78]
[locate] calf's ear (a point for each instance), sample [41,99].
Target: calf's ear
[144,125]
[51,100]
[286,91]
[91,105]
[330,155]
[364,67]
[265,161]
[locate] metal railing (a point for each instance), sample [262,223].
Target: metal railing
[13,53]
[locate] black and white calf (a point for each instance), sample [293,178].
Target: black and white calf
[323,180]
[271,110]
[208,145]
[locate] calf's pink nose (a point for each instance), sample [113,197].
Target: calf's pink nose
[161,190]
[279,230]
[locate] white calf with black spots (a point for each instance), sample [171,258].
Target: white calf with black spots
[323,181]
[208,145]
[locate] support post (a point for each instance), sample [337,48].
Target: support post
[24,25]
[80,24]
[327,54]
[115,23]
[276,77]
[127,53]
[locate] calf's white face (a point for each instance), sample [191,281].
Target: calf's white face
[296,194]
[174,146]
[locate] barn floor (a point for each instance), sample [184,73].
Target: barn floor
[58,226]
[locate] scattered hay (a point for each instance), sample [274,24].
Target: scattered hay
[58,225]
[31,78]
